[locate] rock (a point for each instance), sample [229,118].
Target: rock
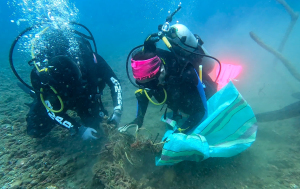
[9,99]
[6,126]
[1,174]
[51,187]
[16,184]
[34,182]
[6,121]
[169,175]
[27,181]
[21,162]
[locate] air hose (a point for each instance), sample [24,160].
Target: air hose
[59,98]
[144,90]
[45,70]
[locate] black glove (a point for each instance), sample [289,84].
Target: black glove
[137,121]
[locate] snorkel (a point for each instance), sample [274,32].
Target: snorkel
[43,67]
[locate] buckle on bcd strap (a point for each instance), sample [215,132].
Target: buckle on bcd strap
[182,130]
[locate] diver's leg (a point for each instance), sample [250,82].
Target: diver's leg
[39,123]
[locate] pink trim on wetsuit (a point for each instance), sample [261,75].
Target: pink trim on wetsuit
[145,69]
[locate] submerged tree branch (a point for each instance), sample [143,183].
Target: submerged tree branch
[285,61]
[294,17]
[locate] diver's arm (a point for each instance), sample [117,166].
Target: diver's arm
[61,118]
[141,111]
[142,105]
[74,127]
[106,73]
[174,91]
[38,123]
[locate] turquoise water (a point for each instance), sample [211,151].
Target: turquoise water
[126,24]
[118,26]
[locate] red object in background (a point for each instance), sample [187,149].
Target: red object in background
[228,72]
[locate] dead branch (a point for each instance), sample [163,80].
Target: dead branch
[285,61]
[294,16]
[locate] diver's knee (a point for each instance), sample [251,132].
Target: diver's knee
[35,133]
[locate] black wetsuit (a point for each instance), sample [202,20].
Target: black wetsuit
[183,92]
[85,100]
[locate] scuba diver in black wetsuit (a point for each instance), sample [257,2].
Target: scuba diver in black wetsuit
[172,77]
[157,73]
[62,80]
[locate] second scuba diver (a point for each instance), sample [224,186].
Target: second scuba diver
[172,78]
[69,82]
